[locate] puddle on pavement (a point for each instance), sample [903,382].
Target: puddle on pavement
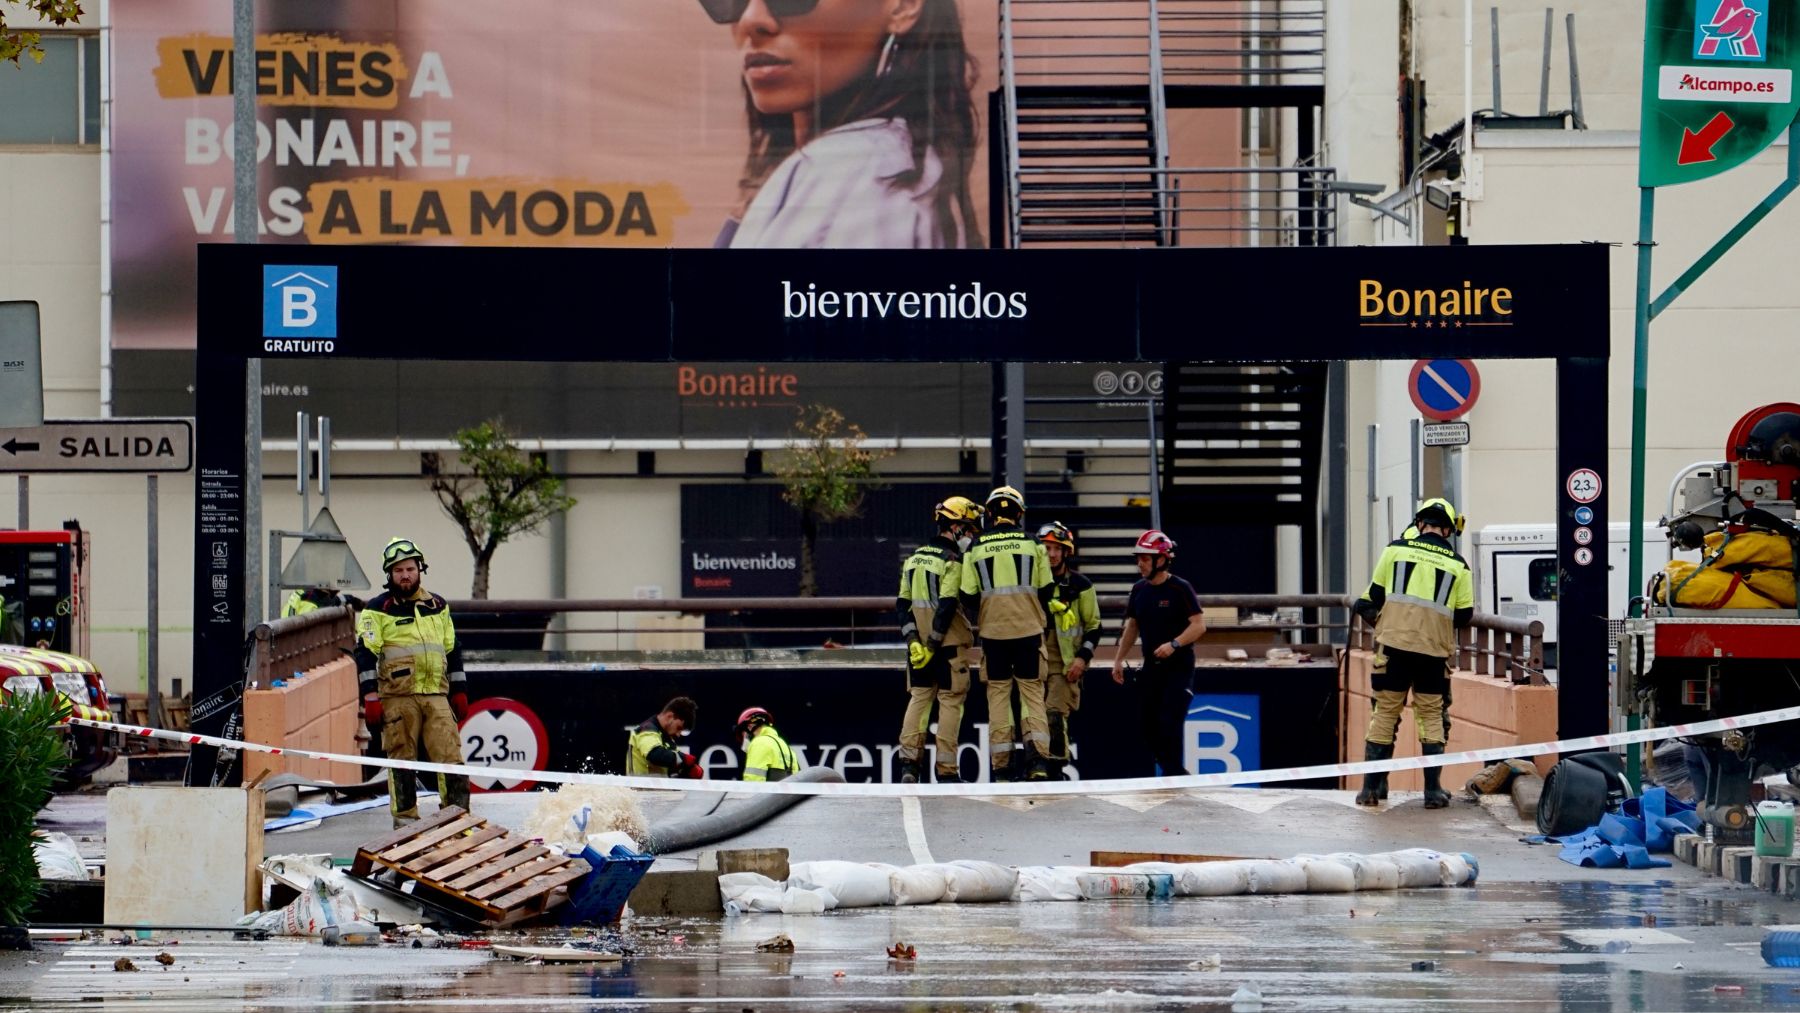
[1498,946]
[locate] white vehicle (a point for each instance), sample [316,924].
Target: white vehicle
[1515,572]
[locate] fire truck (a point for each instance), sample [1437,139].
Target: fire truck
[1721,637]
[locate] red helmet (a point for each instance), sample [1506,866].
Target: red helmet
[1154,543]
[749,716]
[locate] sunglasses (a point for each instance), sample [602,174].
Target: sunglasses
[727,12]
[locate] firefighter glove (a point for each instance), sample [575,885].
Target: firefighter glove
[459,705]
[919,654]
[372,711]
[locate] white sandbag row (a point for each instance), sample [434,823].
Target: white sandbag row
[814,887]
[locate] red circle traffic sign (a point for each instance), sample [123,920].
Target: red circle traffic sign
[504,734]
[1444,389]
[1583,485]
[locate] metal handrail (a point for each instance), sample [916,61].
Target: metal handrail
[1159,125]
[1010,101]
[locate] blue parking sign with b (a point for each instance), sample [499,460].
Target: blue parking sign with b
[299,301]
[1223,734]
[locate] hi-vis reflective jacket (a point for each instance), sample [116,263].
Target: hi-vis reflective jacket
[767,757]
[1006,583]
[407,646]
[930,581]
[1420,594]
[650,752]
[1076,629]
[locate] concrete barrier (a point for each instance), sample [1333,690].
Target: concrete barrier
[1485,713]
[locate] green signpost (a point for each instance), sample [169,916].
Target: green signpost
[1718,89]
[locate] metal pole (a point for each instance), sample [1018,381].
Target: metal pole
[1418,461]
[1544,74]
[1468,76]
[1494,33]
[1374,487]
[152,617]
[559,558]
[1015,425]
[1155,466]
[275,572]
[244,220]
[24,502]
[302,465]
[1640,391]
[1574,75]
[324,462]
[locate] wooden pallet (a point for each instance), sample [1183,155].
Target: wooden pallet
[457,861]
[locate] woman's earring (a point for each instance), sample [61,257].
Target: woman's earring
[886,63]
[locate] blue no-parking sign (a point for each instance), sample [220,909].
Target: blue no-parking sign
[1444,389]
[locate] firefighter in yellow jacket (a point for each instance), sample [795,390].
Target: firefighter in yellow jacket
[1420,595]
[411,677]
[1006,585]
[1070,641]
[938,640]
[767,756]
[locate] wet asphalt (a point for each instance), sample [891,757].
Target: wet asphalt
[1533,933]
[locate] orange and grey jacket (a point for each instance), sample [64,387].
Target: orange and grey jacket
[1420,595]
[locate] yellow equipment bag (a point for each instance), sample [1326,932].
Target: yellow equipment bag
[1714,588]
[1751,548]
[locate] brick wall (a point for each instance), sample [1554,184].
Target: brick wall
[1485,712]
[318,710]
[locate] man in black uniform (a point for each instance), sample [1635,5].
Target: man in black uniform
[1165,611]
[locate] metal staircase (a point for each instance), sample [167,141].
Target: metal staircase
[1088,88]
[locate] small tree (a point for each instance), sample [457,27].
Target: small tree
[497,493]
[826,469]
[31,752]
[15,43]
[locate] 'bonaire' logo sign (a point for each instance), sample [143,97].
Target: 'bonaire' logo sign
[1731,30]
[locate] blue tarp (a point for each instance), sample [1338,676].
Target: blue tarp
[1627,837]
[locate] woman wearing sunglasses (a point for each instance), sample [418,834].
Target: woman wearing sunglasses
[862,126]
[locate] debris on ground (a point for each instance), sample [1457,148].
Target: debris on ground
[611,809]
[459,861]
[901,951]
[124,964]
[776,944]
[1246,998]
[1496,777]
[164,959]
[1424,965]
[1210,964]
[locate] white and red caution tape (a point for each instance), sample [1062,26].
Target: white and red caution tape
[1122,785]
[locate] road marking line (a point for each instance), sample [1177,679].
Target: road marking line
[913,816]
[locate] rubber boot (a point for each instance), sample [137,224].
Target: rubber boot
[1039,770]
[1435,795]
[909,772]
[1374,789]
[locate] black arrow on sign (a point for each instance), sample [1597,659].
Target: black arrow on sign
[13,446]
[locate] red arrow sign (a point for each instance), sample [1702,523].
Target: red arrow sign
[1698,147]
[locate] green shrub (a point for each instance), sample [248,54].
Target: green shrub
[31,752]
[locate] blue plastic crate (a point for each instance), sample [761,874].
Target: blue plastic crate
[599,897]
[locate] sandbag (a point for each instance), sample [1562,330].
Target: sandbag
[1111,885]
[1418,866]
[918,884]
[968,881]
[1323,875]
[1715,588]
[854,884]
[1372,872]
[1213,879]
[1048,882]
[742,892]
[795,901]
[1272,876]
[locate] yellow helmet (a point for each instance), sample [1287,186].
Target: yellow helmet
[399,549]
[1440,512]
[957,510]
[1006,504]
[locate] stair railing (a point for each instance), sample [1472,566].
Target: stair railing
[1009,103]
[1159,126]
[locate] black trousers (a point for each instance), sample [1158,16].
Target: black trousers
[1164,689]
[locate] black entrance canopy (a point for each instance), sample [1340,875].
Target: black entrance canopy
[1151,305]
